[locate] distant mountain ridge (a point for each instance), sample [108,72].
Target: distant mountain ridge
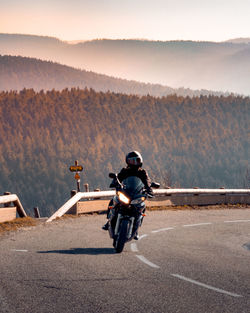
[221,66]
[18,73]
[239,40]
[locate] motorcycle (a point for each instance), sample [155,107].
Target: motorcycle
[127,209]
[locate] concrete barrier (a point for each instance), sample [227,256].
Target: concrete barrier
[200,199]
[7,214]
[89,206]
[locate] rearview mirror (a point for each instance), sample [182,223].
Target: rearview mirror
[155,185]
[112,175]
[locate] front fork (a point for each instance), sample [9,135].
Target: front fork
[120,217]
[135,223]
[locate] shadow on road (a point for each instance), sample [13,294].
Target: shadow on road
[247,246]
[90,251]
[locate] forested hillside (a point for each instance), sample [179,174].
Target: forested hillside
[200,141]
[18,73]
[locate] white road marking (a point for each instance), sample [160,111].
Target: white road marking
[206,286]
[146,261]
[237,221]
[133,247]
[143,236]
[200,224]
[161,229]
[19,250]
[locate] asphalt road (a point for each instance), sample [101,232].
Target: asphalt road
[190,261]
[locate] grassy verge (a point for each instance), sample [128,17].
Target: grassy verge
[198,207]
[17,223]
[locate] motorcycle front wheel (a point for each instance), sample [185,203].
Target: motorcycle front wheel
[119,243]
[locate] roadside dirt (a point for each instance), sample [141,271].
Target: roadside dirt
[17,223]
[200,207]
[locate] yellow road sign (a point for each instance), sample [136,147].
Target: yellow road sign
[76,168]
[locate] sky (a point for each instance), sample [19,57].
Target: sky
[69,20]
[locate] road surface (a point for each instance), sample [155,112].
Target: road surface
[189,261]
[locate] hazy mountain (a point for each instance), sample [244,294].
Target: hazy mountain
[22,72]
[197,65]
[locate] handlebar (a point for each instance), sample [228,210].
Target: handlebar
[116,183]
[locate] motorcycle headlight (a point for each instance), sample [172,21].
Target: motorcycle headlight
[123,198]
[138,200]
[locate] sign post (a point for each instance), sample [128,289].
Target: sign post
[76,168]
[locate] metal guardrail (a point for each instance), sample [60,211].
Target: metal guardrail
[80,195]
[14,198]
[166,192]
[157,192]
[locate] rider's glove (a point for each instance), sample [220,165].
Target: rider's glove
[150,191]
[113,184]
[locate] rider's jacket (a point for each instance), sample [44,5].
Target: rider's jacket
[135,171]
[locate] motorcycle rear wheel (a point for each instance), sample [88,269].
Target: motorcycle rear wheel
[122,236]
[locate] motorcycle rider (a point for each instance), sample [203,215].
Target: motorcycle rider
[134,168]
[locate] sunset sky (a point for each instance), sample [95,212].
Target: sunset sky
[213,20]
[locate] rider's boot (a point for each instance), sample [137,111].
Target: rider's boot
[109,215]
[106,226]
[136,236]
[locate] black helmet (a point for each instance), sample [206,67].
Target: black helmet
[134,158]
